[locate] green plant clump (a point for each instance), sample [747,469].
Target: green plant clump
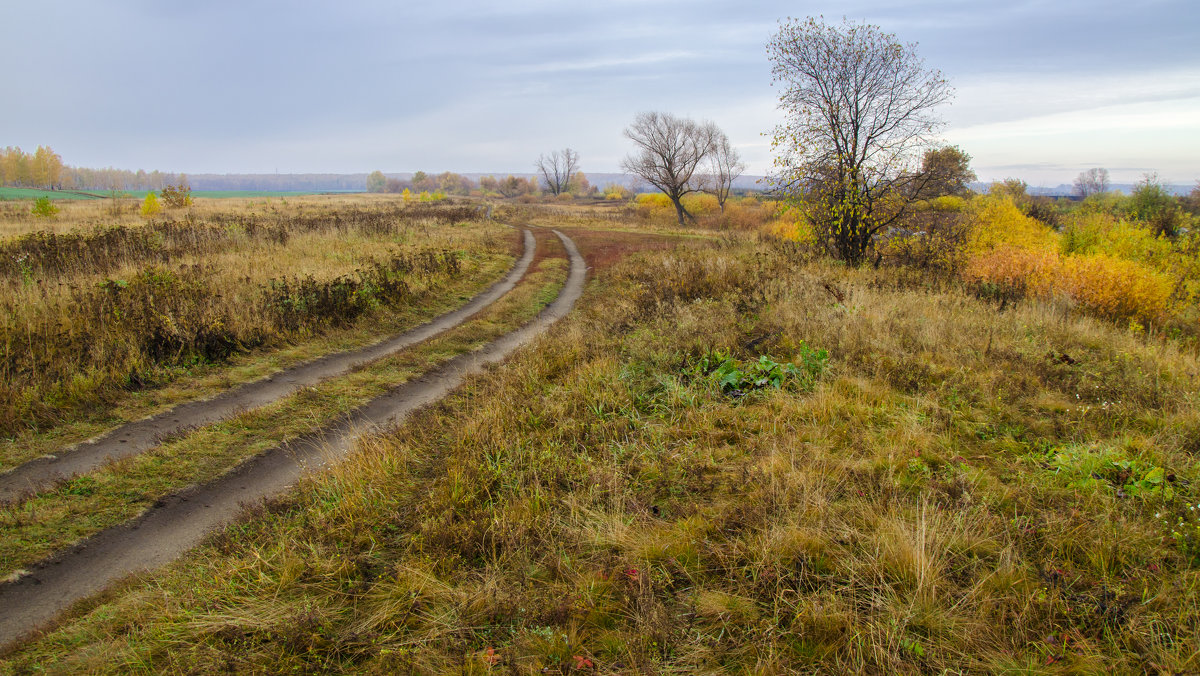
[43,208]
[737,378]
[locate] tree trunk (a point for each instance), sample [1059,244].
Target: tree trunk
[680,212]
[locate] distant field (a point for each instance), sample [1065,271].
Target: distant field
[34,193]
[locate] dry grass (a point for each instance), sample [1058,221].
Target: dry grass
[80,507]
[15,217]
[93,314]
[963,491]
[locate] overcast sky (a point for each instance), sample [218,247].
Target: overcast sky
[1044,89]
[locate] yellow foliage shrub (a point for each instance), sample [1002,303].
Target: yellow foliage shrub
[998,222]
[699,204]
[948,203]
[151,205]
[1092,232]
[655,206]
[615,192]
[654,199]
[1102,285]
[1115,289]
[790,224]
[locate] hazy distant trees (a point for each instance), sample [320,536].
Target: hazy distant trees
[725,166]
[454,184]
[859,109]
[558,169]
[669,153]
[447,182]
[514,186]
[376,181]
[422,181]
[1092,182]
[581,186]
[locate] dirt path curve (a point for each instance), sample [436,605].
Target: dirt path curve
[140,436]
[181,521]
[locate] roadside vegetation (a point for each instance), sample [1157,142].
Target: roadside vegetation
[99,315]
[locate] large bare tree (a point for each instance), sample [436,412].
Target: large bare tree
[558,169]
[860,110]
[1091,182]
[669,152]
[725,166]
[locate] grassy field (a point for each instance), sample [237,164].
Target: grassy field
[94,317]
[733,457]
[30,194]
[37,527]
[10,193]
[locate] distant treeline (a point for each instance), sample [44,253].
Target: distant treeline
[280,182]
[45,169]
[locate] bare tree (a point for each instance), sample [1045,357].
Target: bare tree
[859,108]
[1091,182]
[669,151]
[558,169]
[725,165]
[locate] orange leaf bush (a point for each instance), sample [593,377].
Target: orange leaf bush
[1115,289]
[1014,271]
[1104,286]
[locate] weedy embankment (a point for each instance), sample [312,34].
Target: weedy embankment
[98,323]
[731,459]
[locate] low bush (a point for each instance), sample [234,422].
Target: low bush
[305,302]
[44,208]
[737,378]
[1103,286]
[150,205]
[177,196]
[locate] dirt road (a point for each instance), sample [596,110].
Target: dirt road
[142,435]
[181,521]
